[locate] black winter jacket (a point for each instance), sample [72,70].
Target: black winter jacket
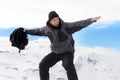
[61,39]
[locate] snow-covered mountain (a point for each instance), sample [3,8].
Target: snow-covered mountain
[91,63]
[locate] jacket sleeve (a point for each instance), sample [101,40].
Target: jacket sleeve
[39,31]
[78,25]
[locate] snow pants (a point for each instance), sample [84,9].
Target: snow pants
[51,59]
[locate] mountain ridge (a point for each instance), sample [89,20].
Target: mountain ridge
[96,63]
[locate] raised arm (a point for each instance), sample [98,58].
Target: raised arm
[78,25]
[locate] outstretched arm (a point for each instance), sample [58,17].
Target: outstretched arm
[78,25]
[40,31]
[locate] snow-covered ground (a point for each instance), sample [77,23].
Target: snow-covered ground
[91,63]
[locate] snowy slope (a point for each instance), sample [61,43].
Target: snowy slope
[91,63]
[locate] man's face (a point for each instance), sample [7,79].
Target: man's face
[55,21]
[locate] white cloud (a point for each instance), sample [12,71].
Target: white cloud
[102,24]
[34,13]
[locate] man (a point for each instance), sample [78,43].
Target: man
[62,43]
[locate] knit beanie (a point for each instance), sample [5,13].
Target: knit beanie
[52,15]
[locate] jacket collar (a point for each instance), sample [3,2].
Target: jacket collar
[53,27]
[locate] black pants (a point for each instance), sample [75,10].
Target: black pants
[51,59]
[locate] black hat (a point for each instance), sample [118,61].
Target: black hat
[52,15]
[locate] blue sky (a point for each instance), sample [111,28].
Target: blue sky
[104,37]
[34,13]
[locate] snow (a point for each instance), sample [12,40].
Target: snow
[91,63]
